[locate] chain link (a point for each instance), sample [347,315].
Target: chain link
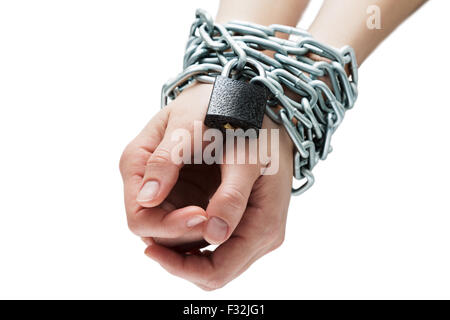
[236,49]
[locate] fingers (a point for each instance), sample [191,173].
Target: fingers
[148,241]
[135,155]
[260,231]
[134,158]
[149,174]
[157,222]
[229,202]
[209,271]
[161,174]
[163,166]
[162,221]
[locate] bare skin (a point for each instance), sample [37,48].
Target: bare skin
[233,206]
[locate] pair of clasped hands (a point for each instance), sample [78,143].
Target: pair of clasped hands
[179,209]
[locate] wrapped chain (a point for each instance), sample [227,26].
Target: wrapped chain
[313,117]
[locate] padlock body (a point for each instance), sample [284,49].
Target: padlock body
[236,104]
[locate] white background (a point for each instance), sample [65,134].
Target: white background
[79,79]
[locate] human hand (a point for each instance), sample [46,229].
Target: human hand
[260,231]
[185,192]
[174,213]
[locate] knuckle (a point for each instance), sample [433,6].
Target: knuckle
[134,226]
[278,223]
[161,122]
[124,158]
[271,235]
[160,156]
[270,232]
[274,233]
[233,197]
[139,226]
[278,242]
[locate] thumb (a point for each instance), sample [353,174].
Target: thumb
[163,166]
[229,202]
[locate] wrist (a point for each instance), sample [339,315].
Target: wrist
[322,89]
[287,12]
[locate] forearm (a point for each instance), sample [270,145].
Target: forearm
[344,22]
[265,12]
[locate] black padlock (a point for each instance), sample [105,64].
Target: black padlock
[236,104]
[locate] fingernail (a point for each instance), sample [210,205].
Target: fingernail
[216,229]
[147,252]
[196,220]
[148,241]
[148,191]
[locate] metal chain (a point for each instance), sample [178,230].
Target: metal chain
[236,47]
